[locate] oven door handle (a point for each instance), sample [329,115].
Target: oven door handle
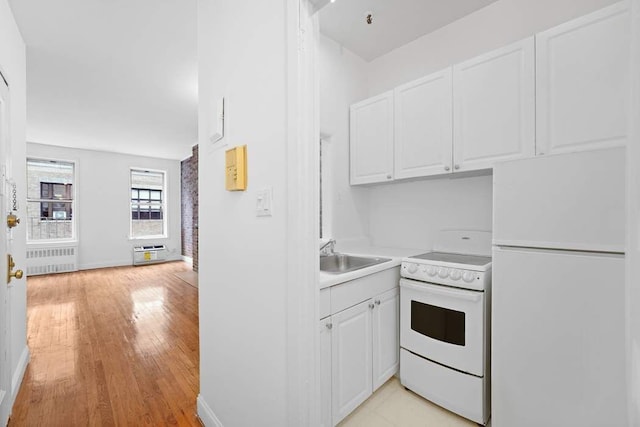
[441,290]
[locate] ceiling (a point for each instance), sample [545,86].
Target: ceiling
[395,22]
[114,75]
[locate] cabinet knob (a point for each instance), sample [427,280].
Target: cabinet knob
[447,168]
[389,176]
[377,302]
[457,166]
[371,305]
[329,325]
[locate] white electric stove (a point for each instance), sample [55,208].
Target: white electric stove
[445,323]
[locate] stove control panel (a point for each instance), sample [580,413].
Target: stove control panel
[457,277]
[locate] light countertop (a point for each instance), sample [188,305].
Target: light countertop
[394,254]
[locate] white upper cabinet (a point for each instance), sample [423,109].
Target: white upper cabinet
[371,140]
[423,127]
[583,82]
[494,107]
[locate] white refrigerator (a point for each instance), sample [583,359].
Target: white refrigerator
[558,302]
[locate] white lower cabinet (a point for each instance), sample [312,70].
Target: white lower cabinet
[359,351]
[325,372]
[351,354]
[386,343]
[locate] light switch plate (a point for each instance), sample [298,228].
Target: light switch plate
[264,202]
[217,131]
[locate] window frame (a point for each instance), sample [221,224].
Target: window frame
[74,201]
[164,196]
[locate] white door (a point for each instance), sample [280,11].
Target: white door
[371,140]
[325,372]
[423,126]
[582,82]
[494,107]
[5,318]
[351,361]
[558,339]
[386,336]
[442,324]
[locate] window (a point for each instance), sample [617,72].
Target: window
[147,203]
[50,200]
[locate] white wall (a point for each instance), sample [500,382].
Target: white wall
[342,76]
[243,258]
[103,203]
[13,65]
[408,215]
[496,25]
[633,243]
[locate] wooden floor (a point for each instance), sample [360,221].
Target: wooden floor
[115,346]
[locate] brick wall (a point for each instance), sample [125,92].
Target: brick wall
[189,191]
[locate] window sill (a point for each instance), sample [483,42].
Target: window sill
[159,236]
[52,242]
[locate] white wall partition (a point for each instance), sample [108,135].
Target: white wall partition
[258,275]
[633,232]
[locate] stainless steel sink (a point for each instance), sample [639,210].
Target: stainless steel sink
[343,263]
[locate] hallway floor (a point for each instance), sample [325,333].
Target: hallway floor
[111,346]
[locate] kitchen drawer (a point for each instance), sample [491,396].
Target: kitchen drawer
[355,291]
[325,302]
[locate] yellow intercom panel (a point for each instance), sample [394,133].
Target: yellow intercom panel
[236,168]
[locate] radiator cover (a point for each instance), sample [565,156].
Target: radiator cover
[47,260]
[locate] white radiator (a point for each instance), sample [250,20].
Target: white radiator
[149,254]
[52,260]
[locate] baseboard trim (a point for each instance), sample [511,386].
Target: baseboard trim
[18,374]
[206,414]
[121,263]
[187,259]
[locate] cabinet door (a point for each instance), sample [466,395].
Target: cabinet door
[494,107]
[371,140]
[386,342]
[582,79]
[423,126]
[325,372]
[351,359]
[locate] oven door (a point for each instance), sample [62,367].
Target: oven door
[443,324]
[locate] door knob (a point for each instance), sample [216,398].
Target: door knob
[10,273]
[12,220]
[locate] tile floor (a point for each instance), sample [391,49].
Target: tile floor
[391,405]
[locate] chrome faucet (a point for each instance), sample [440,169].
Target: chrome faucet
[328,248]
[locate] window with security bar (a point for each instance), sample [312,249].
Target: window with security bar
[148,198]
[50,200]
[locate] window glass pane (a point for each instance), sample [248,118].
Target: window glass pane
[49,220]
[147,218]
[49,180]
